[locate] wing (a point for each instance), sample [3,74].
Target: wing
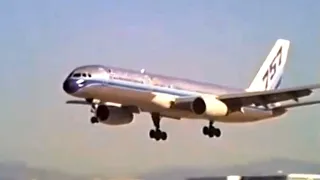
[236,101]
[133,109]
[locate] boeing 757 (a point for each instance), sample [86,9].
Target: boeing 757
[117,94]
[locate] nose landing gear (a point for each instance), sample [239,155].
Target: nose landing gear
[94,119]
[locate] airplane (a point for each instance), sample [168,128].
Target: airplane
[117,94]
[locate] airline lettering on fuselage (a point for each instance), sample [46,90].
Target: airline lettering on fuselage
[126,78]
[145,80]
[272,69]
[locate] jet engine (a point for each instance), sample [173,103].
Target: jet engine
[194,104]
[112,115]
[215,107]
[206,105]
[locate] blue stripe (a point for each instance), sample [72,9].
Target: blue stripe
[136,87]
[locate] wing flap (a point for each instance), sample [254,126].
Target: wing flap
[266,97]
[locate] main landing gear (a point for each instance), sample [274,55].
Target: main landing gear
[156,133]
[94,119]
[211,131]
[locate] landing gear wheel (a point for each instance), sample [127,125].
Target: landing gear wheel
[205,130]
[217,132]
[211,131]
[164,136]
[156,133]
[152,133]
[94,120]
[158,136]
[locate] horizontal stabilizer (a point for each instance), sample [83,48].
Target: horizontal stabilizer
[292,105]
[81,102]
[238,100]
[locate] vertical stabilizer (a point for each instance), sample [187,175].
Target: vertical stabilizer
[270,74]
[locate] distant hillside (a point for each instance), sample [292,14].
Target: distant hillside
[20,171]
[260,168]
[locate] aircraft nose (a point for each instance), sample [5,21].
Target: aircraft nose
[70,86]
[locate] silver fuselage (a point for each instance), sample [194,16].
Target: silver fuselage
[135,88]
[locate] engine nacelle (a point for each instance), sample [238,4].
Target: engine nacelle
[195,105]
[163,100]
[112,115]
[215,107]
[202,105]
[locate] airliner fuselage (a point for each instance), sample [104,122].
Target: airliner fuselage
[141,89]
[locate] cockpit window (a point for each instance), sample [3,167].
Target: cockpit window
[77,75]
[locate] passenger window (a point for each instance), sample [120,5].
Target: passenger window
[84,75]
[89,75]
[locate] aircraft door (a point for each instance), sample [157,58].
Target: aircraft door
[103,75]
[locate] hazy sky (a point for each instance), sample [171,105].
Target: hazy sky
[223,42]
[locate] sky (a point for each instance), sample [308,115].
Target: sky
[222,42]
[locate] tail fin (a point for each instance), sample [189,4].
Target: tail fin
[270,74]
